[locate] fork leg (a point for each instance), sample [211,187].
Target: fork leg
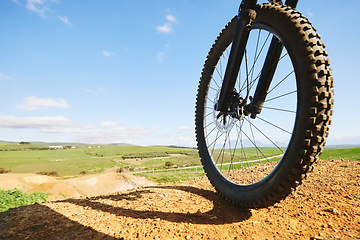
[267,73]
[246,16]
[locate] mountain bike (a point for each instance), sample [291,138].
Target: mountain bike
[264,104]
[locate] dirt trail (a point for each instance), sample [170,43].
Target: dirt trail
[98,184]
[326,206]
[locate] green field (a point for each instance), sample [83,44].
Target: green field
[16,198]
[27,158]
[65,162]
[338,154]
[173,176]
[71,162]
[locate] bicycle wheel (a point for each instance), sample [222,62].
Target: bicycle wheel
[258,162]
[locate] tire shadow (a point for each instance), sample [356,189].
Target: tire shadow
[222,212]
[40,222]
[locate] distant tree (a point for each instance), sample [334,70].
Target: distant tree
[3,170]
[168,164]
[83,173]
[22,142]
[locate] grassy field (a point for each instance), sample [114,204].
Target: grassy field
[173,176]
[338,154]
[20,147]
[65,162]
[16,198]
[28,158]
[69,162]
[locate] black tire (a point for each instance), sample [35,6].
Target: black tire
[235,153]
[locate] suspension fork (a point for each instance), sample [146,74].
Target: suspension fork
[246,16]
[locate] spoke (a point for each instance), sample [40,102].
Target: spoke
[284,95]
[217,137]
[221,67]
[252,83]
[257,56]
[213,80]
[259,74]
[227,52]
[216,90]
[262,47]
[247,162]
[283,56]
[230,152]
[208,114]
[211,108]
[281,81]
[219,156]
[256,49]
[243,153]
[233,155]
[220,74]
[222,152]
[209,124]
[247,75]
[264,135]
[255,145]
[208,134]
[213,148]
[253,137]
[278,109]
[274,125]
[211,101]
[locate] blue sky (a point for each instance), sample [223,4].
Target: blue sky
[127,71]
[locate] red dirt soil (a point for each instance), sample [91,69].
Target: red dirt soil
[326,206]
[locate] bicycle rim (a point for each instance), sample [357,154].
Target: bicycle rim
[246,151]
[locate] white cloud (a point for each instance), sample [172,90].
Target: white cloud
[108,124]
[65,20]
[60,127]
[101,134]
[37,6]
[171,18]
[160,56]
[165,28]
[5,76]
[33,122]
[94,91]
[35,103]
[107,53]
[185,128]
[41,7]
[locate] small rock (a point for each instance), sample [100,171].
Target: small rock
[198,213]
[317,238]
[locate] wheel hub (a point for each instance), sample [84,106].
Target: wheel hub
[235,111]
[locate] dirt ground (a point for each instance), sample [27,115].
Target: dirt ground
[326,206]
[98,184]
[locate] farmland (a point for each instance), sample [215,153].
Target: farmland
[72,162]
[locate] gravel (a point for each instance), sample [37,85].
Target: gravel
[326,206]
